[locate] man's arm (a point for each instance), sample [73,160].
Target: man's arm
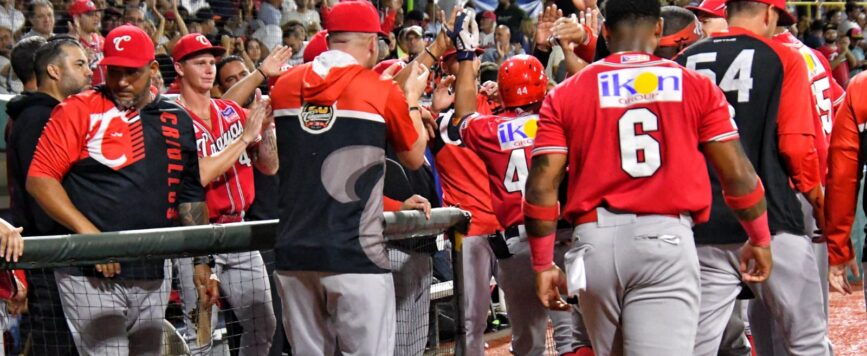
[271,67]
[52,197]
[744,194]
[211,167]
[265,157]
[466,91]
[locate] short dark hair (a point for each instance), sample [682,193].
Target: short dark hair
[223,62]
[31,8]
[631,12]
[675,18]
[22,56]
[744,7]
[50,53]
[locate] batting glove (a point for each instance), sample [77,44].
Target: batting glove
[465,35]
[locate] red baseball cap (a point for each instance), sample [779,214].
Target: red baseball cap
[195,43]
[489,15]
[786,18]
[79,7]
[712,8]
[127,46]
[316,46]
[354,16]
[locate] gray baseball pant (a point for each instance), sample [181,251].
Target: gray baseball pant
[642,283]
[734,339]
[244,283]
[791,294]
[412,273]
[330,313]
[479,266]
[114,317]
[528,317]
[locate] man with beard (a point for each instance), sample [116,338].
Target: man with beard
[61,69]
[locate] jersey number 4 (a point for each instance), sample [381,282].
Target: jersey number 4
[516,172]
[639,152]
[738,77]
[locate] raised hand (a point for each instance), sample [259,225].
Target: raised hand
[273,65]
[544,29]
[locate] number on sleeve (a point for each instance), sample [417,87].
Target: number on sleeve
[639,153]
[516,172]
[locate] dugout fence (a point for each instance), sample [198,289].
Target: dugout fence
[231,329]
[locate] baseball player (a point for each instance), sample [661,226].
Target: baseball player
[333,118]
[464,183]
[230,143]
[119,157]
[636,184]
[845,165]
[712,16]
[504,142]
[773,108]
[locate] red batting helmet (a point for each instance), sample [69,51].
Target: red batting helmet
[522,81]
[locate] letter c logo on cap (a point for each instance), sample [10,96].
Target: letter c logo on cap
[203,40]
[118,40]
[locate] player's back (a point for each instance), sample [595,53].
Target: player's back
[632,125]
[763,81]
[504,144]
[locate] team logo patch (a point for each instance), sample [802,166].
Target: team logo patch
[316,119]
[517,133]
[625,87]
[229,114]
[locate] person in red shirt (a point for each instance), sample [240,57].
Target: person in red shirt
[845,163]
[635,146]
[504,142]
[230,143]
[836,50]
[712,15]
[86,21]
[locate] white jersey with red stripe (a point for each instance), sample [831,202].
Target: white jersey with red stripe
[232,192]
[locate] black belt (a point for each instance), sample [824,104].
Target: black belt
[514,230]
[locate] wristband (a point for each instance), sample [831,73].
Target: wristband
[414,108]
[429,53]
[537,212]
[261,72]
[748,200]
[542,251]
[466,55]
[758,231]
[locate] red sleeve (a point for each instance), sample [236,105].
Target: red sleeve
[389,204]
[61,142]
[401,132]
[551,135]
[388,21]
[586,51]
[841,194]
[796,124]
[716,119]
[468,138]
[21,277]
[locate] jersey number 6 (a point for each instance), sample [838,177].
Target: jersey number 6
[639,152]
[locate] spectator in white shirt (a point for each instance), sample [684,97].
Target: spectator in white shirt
[10,15]
[41,14]
[305,14]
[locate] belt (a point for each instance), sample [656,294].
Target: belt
[593,216]
[515,230]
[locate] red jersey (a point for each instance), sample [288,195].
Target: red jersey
[463,175]
[633,138]
[93,48]
[232,192]
[504,143]
[828,94]
[845,166]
